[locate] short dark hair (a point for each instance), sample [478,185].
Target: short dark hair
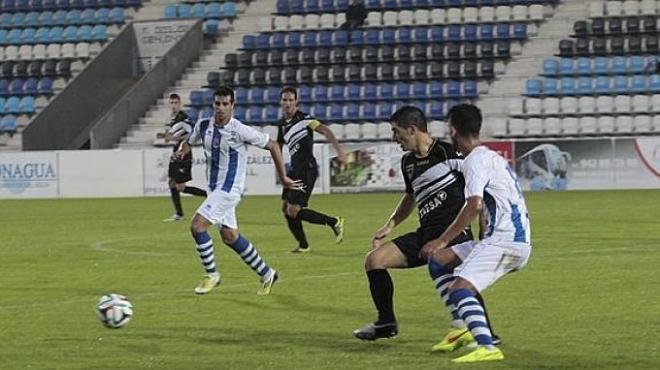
[175,97]
[409,116]
[466,119]
[289,89]
[225,91]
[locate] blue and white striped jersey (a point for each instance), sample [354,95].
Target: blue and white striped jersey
[488,175]
[225,149]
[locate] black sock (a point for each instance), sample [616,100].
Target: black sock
[382,292]
[176,199]
[296,228]
[483,304]
[194,191]
[314,217]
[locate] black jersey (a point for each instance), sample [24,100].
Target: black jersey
[180,124]
[436,184]
[298,135]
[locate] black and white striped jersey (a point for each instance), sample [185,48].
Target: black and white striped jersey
[180,125]
[298,135]
[436,183]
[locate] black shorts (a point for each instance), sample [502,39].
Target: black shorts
[308,176]
[180,170]
[410,244]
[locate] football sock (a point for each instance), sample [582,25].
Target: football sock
[382,292]
[483,305]
[296,228]
[176,199]
[194,191]
[250,256]
[442,278]
[472,312]
[205,251]
[314,217]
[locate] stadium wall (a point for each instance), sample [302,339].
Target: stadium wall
[625,163]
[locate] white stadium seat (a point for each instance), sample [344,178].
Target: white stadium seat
[519,13]
[437,128]
[622,104]
[295,22]
[82,50]
[656,123]
[534,126]
[340,18]
[281,23]
[642,124]
[655,103]
[406,18]
[515,106]
[535,12]
[384,131]
[39,51]
[338,130]
[470,15]
[586,104]
[503,13]
[438,16]
[552,126]
[596,9]
[624,124]
[352,131]
[369,131]
[640,103]
[613,8]
[53,51]
[2,53]
[550,105]
[375,19]
[265,24]
[516,126]
[454,15]
[422,17]
[570,126]
[390,18]
[497,126]
[271,130]
[25,52]
[606,124]
[631,7]
[588,125]
[312,21]
[532,106]
[647,7]
[11,52]
[487,14]
[605,104]
[568,105]
[328,20]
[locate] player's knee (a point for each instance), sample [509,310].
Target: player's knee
[180,187]
[460,284]
[374,261]
[229,236]
[196,228]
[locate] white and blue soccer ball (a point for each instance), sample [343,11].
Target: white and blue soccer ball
[114,310]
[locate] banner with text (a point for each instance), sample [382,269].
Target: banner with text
[29,175]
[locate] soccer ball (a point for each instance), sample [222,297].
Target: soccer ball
[114,310]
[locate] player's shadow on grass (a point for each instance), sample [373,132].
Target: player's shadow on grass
[292,303]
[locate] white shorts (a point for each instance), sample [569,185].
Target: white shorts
[220,208]
[485,261]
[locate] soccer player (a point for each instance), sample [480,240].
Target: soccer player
[491,189]
[433,183]
[225,140]
[180,170]
[296,130]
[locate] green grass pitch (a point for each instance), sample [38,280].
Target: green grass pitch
[589,298]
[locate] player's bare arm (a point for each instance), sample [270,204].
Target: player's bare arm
[403,210]
[332,139]
[184,150]
[469,212]
[275,152]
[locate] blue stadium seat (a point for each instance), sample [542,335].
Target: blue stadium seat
[134,3]
[195,11]
[272,114]
[255,115]
[213,10]
[503,31]
[437,34]
[93,4]
[369,111]
[436,109]
[567,86]
[5,20]
[250,41]
[103,15]
[620,84]
[257,95]
[602,85]
[8,6]
[370,91]
[585,86]
[197,98]
[453,89]
[486,32]
[533,87]
[638,84]
[12,104]
[229,10]
[353,92]
[312,6]
[70,33]
[206,112]
[242,95]
[420,34]
[46,86]
[421,3]
[27,36]
[26,105]
[85,33]
[327,6]
[566,66]
[263,41]
[520,31]
[293,40]
[436,89]
[100,32]
[453,3]
[373,36]
[73,17]
[601,66]
[282,6]
[2,109]
[170,11]
[212,27]
[31,86]
[374,4]
[470,89]
[470,32]
[272,94]
[337,93]
[88,16]
[77,4]
[390,4]
[184,10]
[41,37]
[17,19]
[636,64]
[654,84]
[402,90]
[404,35]
[341,5]
[46,18]
[239,113]
[37,5]
[117,15]
[352,112]
[279,40]
[3,36]
[4,87]
[63,4]
[305,93]
[321,111]
[309,39]
[419,89]
[550,86]
[454,33]
[357,37]
[583,66]
[22,5]
[8,123]
[550,67]
[386,91]
[340,38]
[325,38]
[320,93]
[389,36]
[296,6]
[31,19]
[385,110]
[207,97]
[14,36]
[619,65]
